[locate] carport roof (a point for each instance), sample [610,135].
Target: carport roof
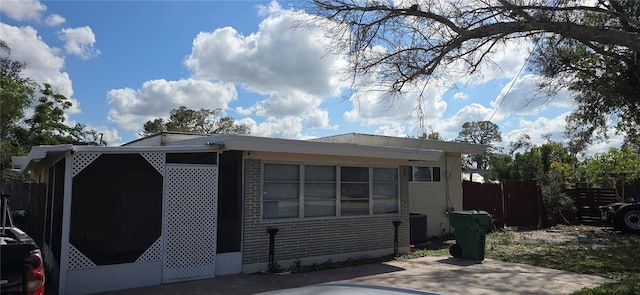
[350,145]
[45,153]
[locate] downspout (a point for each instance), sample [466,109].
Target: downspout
[446,180]
[273,266]
[447,176]
[396,224]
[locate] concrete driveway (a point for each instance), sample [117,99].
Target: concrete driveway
[443,275]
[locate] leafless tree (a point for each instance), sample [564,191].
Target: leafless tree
[399,44]
[403,41]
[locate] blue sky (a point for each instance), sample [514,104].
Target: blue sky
[126,62]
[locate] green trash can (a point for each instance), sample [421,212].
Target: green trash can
[471,230]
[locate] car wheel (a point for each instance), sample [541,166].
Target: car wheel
[455,250]
[628,218]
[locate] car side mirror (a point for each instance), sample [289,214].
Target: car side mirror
[20,215]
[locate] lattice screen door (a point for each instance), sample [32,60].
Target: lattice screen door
[189,230]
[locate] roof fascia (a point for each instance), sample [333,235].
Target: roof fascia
[265,144]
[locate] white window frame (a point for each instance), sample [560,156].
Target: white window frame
[431,173]
[338,198]
[303,180]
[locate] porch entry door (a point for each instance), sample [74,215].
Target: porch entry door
[190,226]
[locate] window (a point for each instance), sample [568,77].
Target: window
[425,174]
[319,191]
[281,191]
[295,191]
[354,190]
[385,190]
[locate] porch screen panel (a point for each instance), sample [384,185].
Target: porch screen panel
[190,222]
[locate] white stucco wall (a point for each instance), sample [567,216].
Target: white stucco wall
[433,199]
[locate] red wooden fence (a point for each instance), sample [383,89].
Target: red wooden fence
[522,203]
[514,203]
[485,197]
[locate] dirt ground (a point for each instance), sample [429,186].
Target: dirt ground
[585,234]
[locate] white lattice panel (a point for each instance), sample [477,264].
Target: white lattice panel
[153,253]
[82,160]
[77,260]
[156,160]
[190,222]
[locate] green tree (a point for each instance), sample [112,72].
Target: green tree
[480,132]
[501,167]
[523,142]
[555,200]
[431,134]
[202,121]
[613,169]
[605,76]
[551,166]
[536,163]
[591,46]
[16,92]
[45,126]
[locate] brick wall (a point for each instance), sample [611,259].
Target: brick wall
[299,239]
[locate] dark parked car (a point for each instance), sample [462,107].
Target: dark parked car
[21,265]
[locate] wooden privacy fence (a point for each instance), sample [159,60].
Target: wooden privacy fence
[512,203]
[486,197]
[587,201]
[29,196]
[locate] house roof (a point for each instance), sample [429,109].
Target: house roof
[464,148]
[351,145]
[265,144]
[46,153]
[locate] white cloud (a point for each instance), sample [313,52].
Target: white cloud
[282,57]
[44,65]
[292,105]
[460,96]
[319,119]
[282,60]
[130,108]
[615,140]
[110,135]
[23,10]
[54,20]
[245,111]
[522,96]
[394,130]
[539,129]
[283,104]
[80,41]
[373,107]
[288,127]
[469,113]
[554,129]
[505,60]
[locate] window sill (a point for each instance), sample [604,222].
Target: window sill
[329,218]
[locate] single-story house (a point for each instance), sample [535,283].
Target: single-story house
[174,207]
